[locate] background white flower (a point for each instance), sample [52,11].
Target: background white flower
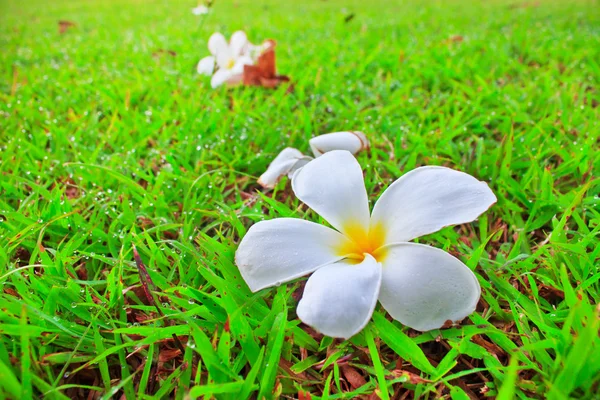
[201,9]
[290,160]
[229,58]
[368,257]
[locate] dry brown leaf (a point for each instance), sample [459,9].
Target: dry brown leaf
[168,355]
[81,271]
[550,293]
[303,354]
[489,346]
[315,335]
[412,377]
[163,52]
[453,39]
[64,26]
[287,367]
[353,377]
[302,395]
[462,384]
[22,256]
[447,324]
[145,222]
[171,235]
[11,292]
[402,56]
[71,189]
[264,72]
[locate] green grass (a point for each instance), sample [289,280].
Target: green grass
[104,146]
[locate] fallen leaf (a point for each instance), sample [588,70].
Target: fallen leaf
[492,348]
[71,189]
[64,26]
[303,354]
[315,335]
[353,377]
[11,292]
[287,365]
[264,72]
[412,377]
[302,395]
[22,256]
[145,222]
[550,293]
[162,52]
[453,39]
[81,271]
[447,324]
[168,355]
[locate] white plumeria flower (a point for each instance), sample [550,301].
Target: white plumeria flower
[200,10]
[353,141]
[368,256]
[290,160]
[230,58]
[286,163]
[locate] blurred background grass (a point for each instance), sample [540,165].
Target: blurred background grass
[109,138]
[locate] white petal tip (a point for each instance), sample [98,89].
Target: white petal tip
[217,43]
[287,162]
[352,141]
[265,182]
[279,250]
[206,66]
[424,287]
[428,199]
[339,298]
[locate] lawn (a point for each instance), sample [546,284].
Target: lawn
[110,141]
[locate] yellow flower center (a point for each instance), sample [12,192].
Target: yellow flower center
[230,63]
[362,242]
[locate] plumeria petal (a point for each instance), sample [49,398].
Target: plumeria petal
[333,186]
[235,79]
[286,162]
[352,141]
[423,287]
[282,249]
[427,199]
[339,298]
[224,59]
[218,47]
[217,43]
[220,77]
[238,67]
[206,66]
[298,166]
[238,43]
